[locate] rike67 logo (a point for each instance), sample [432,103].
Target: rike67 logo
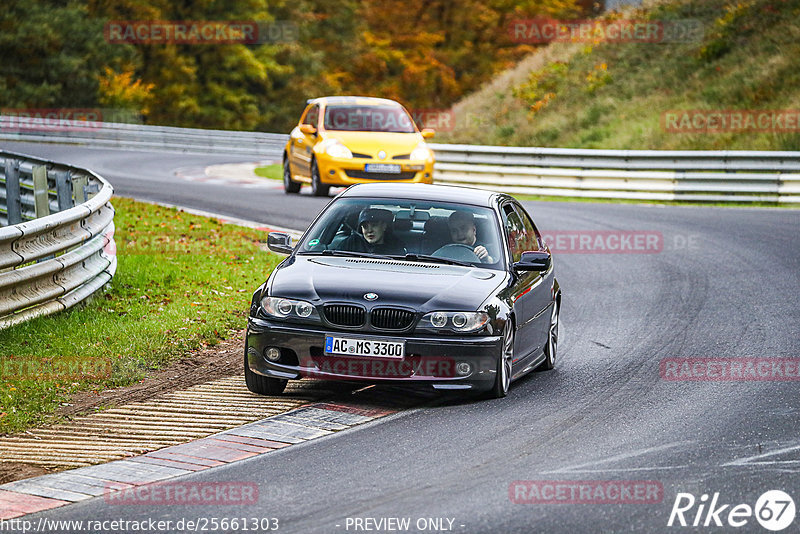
[774,510]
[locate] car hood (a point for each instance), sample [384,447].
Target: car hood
[370,143]
[422,286]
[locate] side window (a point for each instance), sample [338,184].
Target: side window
[312,117]
[532,242]
[520,231]
[514,231]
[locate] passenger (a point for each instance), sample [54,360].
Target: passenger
[374,235]
[463,231]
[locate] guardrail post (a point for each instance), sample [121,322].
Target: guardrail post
[78,189]
[90,190]
[63,190]
[41,200]
[13,200]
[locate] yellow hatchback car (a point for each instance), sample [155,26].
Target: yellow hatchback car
[345,140]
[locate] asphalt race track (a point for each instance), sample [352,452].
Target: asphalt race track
[724,284]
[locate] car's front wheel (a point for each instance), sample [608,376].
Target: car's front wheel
[318,189]
[551,348]
[502,380]
[262,385]
[289,185]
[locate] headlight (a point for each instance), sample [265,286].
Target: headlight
[454,321]
[281,308]
[336,149]
[421,152]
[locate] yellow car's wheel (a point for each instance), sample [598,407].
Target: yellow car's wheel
[318,189]
[289,185]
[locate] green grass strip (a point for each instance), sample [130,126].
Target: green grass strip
[183,282]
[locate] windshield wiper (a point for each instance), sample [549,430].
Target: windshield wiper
[433,259]
[348,253]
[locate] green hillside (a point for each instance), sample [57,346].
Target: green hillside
[616,95]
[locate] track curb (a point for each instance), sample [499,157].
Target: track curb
[115,480]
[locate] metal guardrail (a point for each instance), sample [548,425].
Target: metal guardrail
[138,137]
[56,236]
[717,176]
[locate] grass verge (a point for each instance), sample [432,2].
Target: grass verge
[183,282]
[273,172]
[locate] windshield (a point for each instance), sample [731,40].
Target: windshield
[407,229]
[355,118]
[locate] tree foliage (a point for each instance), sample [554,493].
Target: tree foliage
[424,53]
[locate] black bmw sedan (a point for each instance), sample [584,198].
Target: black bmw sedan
[443,286]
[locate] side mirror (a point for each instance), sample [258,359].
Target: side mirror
[279,242]
[308,129]
[428,133]
[534,260]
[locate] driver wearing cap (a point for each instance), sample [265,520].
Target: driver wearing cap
[374,235]
[463,231]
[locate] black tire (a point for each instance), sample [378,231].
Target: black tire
[502,380]
[262,385]
[318,189]
[289,185]
[551,347]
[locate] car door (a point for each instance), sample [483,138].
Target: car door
[526,289]
[542,296]
[302,144]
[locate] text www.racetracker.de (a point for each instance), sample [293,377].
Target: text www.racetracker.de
[200,524]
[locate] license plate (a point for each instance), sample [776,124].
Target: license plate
[382,167]
[373,348]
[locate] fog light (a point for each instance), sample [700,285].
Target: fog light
[463,368]
[331,172]
[273,354]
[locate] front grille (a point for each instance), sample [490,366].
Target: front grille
[392,318]
[380,175]
[403,156]
[344,315]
